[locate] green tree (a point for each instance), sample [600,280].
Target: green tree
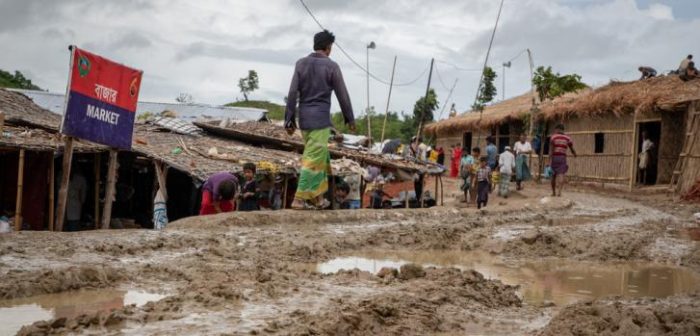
[487,91]
[550,85]
[16,81]
[248,84]
[425,108]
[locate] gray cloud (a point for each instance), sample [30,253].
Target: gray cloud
[202,47]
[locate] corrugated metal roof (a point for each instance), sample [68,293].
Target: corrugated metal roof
[54,103]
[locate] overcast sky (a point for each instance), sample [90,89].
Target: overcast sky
[202,47]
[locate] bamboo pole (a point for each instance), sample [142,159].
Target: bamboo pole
[442,192]
[425,99]
[635,139]
[52,187]
[20,184]
[436,187]
[97,191]
[65,176]
[386,111]
[109,193]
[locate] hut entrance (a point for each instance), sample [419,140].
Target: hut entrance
[652,130]
[503,137]
[467,141]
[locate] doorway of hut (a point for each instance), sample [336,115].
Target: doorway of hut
[467,141]
[652,131]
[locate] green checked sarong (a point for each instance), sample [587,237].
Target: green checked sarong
[315,164]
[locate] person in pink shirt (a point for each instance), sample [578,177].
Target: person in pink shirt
[559,144]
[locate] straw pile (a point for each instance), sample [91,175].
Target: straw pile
[21,111]
[667,93]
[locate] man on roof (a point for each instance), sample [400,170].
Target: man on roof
[684,64]
[647,72]
[315,77]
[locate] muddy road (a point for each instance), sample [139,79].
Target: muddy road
[584,264]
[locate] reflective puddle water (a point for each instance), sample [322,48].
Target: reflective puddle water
[19,312]
[559,281]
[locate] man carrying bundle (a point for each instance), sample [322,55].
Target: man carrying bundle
[315,76]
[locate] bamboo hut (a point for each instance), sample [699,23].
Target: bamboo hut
[606,126]
[504,121]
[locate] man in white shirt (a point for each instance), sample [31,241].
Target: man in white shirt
[523,149]
[506,162]
[645,157]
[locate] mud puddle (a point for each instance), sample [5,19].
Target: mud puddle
[549,280]
[16,313]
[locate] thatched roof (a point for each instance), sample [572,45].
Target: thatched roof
[195,156]
[36,139]
[667,93]
[20,110]
[510,109]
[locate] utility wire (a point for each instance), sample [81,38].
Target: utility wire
[357,64]
[437,72]
[456,67]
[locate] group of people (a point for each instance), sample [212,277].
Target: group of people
[222,192]
[484,173]
[686,70]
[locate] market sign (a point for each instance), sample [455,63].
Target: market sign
[101,100]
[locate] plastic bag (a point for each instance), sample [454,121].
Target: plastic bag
[548,172]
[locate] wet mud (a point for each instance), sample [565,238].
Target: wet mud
[521,267]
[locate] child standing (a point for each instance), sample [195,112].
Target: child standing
[465,172]
[249,192]
[483,183]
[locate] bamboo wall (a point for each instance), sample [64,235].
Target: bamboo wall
[691,167]
[670,144]
[613,165]
[478,138]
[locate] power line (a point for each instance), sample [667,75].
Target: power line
[357,64]
[437,72]
[456,67]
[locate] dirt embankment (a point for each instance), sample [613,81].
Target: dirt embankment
[672,316]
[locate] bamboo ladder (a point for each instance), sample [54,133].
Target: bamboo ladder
[687,148]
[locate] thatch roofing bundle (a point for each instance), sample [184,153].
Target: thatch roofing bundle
[201,156]
[36,139]
[666,93]
[21,110]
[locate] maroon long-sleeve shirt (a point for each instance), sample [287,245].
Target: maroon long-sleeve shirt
[315,76]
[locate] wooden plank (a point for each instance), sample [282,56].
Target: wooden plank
[109,193]
[161,177]
[20,185]
[65,175]
[52,187]
[97,190]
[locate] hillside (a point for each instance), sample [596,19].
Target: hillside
[275,111]
[16,81]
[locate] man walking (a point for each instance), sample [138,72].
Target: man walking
[523,149]
[506,162]
[559,143]
[315,76]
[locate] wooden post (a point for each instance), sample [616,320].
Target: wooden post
[52,187]
[109,193]
[362,192]
[427,91]
[65,175]
[284,194]
[161,177]
[18,200]
[436,188]
[633,164]
[386,112]
[442,192]
[422,199]
[97,191]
